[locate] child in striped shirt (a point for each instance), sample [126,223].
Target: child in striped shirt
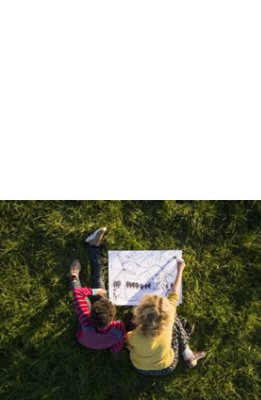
[97,328]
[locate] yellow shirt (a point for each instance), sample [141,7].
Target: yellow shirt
[152,353]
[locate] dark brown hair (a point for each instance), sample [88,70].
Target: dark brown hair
[102,313]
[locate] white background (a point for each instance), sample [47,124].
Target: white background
[130,99]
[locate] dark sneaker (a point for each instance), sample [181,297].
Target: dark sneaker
[75,270]
[96,237]
[197,355]
[189,328]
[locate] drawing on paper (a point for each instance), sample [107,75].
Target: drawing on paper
[132,274]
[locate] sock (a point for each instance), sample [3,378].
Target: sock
[187,353]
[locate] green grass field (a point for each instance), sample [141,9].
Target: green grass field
[40,358]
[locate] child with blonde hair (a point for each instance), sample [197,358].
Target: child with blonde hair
[159,335]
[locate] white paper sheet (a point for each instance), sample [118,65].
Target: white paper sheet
[132,274]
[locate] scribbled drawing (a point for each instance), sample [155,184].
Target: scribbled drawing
[125,269]
[132,274]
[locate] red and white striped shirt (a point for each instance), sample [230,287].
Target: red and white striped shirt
[110,337]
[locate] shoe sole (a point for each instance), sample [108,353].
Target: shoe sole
[94,234]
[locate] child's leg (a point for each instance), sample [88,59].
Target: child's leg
[97,279]
[189,356]
[180,341]
[75,282]
[94,240]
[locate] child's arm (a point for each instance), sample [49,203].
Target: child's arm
[81,305]
[174,294]
[121,333]
[176,286]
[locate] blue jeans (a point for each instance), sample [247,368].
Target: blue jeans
[97,281]
[96,267]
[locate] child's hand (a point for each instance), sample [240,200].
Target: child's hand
[101,292]
[181,264]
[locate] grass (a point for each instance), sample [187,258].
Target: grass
[40,358]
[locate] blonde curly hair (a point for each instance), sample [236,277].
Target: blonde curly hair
[153,314]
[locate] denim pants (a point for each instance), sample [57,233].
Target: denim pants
[97,281]
[96,267]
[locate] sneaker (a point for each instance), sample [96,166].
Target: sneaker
[189,328]
[197,355]
[96,237]
[75,269]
